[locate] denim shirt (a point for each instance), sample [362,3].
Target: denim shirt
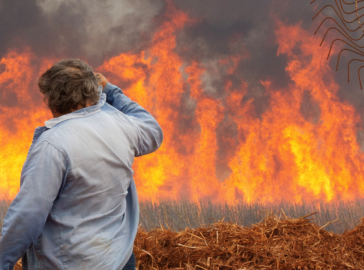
[77,207]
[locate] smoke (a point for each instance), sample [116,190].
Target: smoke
[93,30]
[348,92]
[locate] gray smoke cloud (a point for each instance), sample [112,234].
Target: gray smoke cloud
[97,30]
[91,29]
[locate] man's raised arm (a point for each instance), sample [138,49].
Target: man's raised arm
[150,132]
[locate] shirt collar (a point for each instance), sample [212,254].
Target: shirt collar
[79,113]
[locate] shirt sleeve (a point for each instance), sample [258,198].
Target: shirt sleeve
[41,179]
[150,135]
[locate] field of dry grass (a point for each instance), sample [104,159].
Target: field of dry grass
[183,214]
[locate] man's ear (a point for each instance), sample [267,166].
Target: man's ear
[54,113]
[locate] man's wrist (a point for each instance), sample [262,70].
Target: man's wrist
[107,88]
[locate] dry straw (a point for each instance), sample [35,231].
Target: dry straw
[275,243]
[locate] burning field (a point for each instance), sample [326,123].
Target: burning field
[252,113]
[224,140]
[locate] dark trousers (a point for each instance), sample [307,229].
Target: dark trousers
[130,265]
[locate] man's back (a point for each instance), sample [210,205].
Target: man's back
[88,181]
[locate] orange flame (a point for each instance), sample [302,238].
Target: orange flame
[17,122]
[279,156]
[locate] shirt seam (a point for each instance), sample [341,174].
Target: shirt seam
[56,147]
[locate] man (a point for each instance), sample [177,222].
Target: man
[77,207]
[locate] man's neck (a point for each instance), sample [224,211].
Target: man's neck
[79,107]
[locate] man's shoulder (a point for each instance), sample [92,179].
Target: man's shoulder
[48,136]
[119,116]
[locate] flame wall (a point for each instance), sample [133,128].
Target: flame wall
[302,147]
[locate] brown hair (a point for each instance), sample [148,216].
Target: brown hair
[67,84]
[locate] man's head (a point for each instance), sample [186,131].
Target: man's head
[69,85]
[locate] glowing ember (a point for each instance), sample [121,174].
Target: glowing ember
[292,152]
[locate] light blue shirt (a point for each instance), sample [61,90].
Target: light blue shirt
[77,207]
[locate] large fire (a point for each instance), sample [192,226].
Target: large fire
[282,155]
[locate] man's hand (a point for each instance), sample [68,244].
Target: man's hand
[101,79]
